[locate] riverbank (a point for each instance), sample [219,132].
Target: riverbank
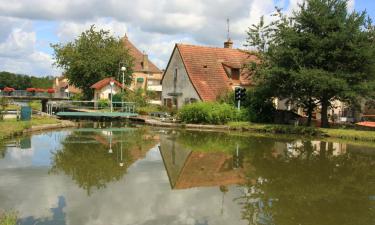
[11,127]
[347,134]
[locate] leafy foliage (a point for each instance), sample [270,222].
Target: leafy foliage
[259,105]
[208,112]
[21,82]
[3,105]
[8,218]
[320,54]
[91,57]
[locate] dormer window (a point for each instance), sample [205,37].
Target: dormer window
[235,74]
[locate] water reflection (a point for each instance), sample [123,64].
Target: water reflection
[108,175]
[309,183]
[284,181]
[58,216]
[187,167]
[94,158]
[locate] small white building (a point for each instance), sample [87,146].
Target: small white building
[103,88]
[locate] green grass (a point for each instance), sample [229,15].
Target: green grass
[335,133]
[350,134]
[8,218]
[36,105]
[9,127]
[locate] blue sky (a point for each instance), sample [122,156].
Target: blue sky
[27,27]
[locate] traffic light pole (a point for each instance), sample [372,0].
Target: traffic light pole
[239,105]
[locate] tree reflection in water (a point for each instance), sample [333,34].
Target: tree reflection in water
[295,182]
[309,183]
[86,158]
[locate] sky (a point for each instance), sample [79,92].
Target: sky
[28,27]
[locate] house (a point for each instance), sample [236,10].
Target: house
[145,74]
[104,90]
[63,88]
[199,73]
[188,169]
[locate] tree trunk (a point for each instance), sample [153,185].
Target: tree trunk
[310,110]
[324,113]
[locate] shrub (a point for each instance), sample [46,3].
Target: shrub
[259,106]
[208,112]
[102,103]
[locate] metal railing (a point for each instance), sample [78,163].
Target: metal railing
[90,106]
[23,93]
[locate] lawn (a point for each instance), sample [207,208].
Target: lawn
[11,126]
[348,134]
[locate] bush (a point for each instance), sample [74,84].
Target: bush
[103,103]
[258,106]
[209,113]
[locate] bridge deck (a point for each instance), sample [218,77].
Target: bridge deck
[97,114]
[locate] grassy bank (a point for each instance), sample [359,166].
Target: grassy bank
[347,134]
[9,127]
[8,218]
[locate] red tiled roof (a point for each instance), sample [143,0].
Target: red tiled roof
[102,83]
[138,58]
[366,124]
[205,67]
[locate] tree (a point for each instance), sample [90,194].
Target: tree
[91,57]
[320,54]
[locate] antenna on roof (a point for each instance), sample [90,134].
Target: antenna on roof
[228,31]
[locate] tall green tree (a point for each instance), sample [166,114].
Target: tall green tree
[320,54]
[91,57]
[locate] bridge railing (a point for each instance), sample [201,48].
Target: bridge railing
[90,106]
[23,93]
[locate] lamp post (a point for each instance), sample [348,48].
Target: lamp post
[123,69]
[111,83]
[67,92]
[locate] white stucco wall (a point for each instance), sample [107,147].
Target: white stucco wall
[183,85]
[103,93]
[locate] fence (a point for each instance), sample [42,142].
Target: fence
[90,106]
[23,93]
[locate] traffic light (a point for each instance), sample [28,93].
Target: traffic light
[237,93]
[242,94]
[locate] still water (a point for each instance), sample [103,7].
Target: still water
[106,175]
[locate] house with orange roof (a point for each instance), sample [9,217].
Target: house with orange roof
[146,74]
[200,73]
[104,90]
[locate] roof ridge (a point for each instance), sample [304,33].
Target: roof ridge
[136,51]
[203,46]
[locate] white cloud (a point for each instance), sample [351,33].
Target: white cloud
[18,54]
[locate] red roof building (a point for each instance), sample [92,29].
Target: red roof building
[146,74]
[102,83]
[199,73]
[103,89]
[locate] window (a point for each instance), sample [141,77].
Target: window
[175,103]
[235,74]
[109,96]
[175,79]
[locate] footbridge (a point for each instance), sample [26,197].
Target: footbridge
[92,109]
[44,98]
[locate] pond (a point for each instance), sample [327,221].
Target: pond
[102,174]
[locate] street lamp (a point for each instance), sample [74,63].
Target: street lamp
[67,92]
[123,69]
[111,83]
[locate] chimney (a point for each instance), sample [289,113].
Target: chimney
[145,62]
[228,43]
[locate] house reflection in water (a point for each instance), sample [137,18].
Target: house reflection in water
[188,169]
